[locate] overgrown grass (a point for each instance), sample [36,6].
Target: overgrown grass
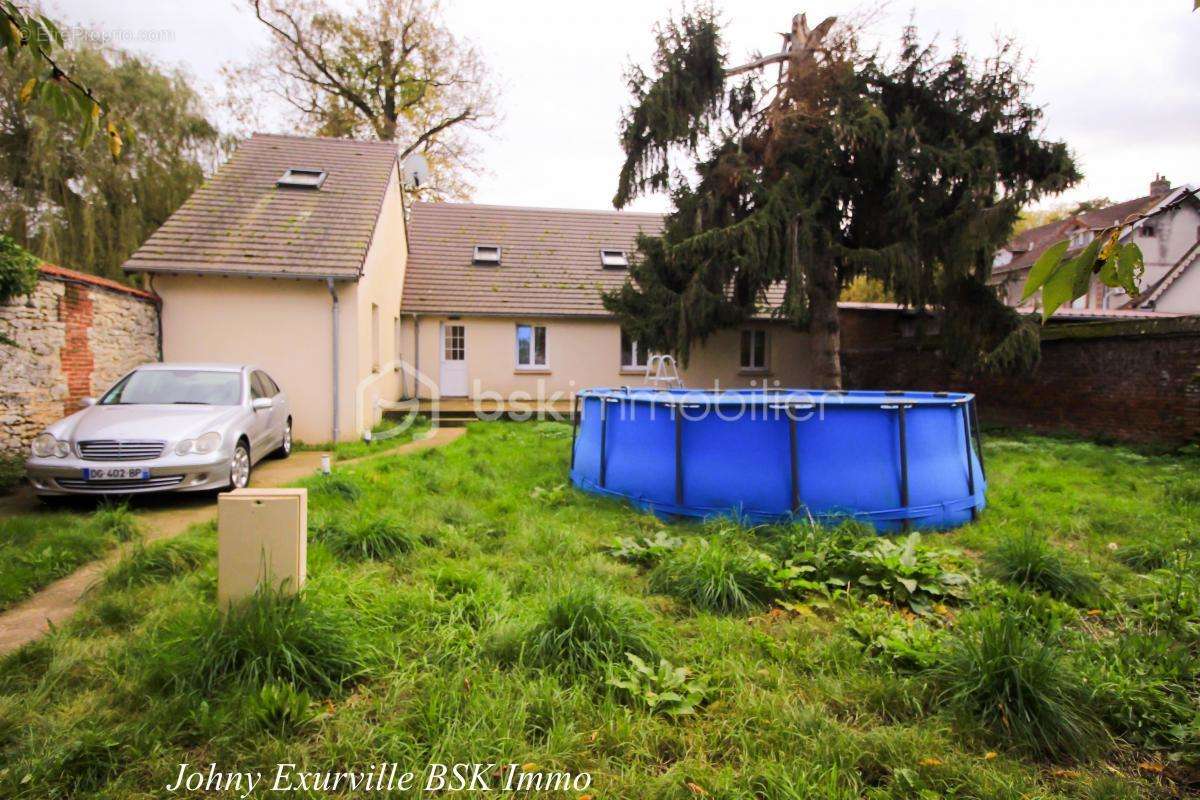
[493,631]
[1018,686]
[1027,558]
[38,548]
[385,437]
[268,638]
[159,561]
[716,574]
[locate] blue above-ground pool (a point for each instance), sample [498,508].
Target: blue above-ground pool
[897,460]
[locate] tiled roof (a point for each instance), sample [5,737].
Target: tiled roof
[1028,245]
[240,223]
[549,265]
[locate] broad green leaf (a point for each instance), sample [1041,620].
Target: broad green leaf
[1131,265]
[1044,267]
[1058,287]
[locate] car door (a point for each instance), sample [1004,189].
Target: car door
[279,411]
[259,429]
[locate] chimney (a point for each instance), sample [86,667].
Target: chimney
[1160,185]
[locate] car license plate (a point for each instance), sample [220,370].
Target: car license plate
[116,473]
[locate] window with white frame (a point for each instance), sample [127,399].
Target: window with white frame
[1081,237]
[531,346]
[633,355]
[754,349]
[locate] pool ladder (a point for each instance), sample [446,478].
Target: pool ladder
[660,370]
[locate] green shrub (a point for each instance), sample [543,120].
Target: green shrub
[379,537]
[903,645]
[718,575]
[116,521]
[906,572]
[666,689]
[1029,559]
[1017,686]
[585,630]
[158,561]
[268,637]
[645,551]
[282,710]
[1146,556]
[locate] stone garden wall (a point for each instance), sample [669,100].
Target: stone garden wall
[75,335]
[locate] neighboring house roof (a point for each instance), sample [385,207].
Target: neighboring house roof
[549,258]
[1028,245]
[240,223]
[56,272]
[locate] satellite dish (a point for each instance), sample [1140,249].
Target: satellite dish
[414,171]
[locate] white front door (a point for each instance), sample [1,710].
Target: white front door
[454,360]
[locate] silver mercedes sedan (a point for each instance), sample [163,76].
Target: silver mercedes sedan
[165,427]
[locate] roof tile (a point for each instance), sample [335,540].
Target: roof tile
[240,222]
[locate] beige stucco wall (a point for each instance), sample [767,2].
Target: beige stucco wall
[381,284]
[285,327]
[582,353]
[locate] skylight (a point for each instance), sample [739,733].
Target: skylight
[302,178]
[613,259]
[487,255]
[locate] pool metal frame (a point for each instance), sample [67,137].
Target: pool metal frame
[965,401]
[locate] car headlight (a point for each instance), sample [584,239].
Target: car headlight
[207,443]
[200,445]
[45,445]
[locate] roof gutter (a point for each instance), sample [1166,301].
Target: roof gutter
[336,313]
[297,276]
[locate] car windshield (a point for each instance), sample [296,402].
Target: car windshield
[176,386]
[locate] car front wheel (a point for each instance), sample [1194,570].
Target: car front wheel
[239,467]
[285,444]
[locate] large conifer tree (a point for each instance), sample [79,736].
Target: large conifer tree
[910,170]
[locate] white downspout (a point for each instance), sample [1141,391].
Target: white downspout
[336,314]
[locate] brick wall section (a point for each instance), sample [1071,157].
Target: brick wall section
[76,335]
[1135,380]
[75,312]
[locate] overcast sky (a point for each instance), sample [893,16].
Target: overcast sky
[1120,81]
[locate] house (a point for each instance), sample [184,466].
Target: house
[1167,230]
[291,258]
[503,301]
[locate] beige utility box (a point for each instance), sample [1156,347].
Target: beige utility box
[262,536]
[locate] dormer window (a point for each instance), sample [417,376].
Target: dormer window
[486,255]
[613,259]
[302,179]
[1081,237]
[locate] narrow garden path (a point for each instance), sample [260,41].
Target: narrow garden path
[58,601]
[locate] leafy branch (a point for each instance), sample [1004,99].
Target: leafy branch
[1062,279]
[39,35]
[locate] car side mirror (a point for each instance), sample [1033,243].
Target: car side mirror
[87,401]
[261,403]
